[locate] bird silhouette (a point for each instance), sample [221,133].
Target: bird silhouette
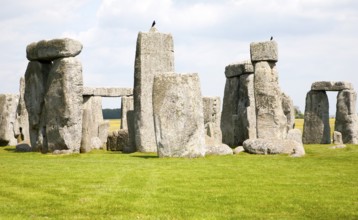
[153,23]
[271,38]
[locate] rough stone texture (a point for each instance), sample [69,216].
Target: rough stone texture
[239,149]
[64,106]
[245,126]
[274,146]
[316,128]
[337,137]
[154,55]
[229,111]
[107,92]
[346,116]
[88,131]
[35,89]
[288,110]
[131,147]
[21,128]
[270,118]
[8,105]
[218,149]
[126,105]
[178,115]
[295,134]
[264,51]
[212,115]
[118,140]
[23,147]
[53,49]
[103,129]
[331,86]
[237,69]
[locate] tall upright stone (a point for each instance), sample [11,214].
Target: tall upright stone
[270,118]
[230,113]
[36,76]
[22,117]
[245,127]
[127,122]
[154,55]
[64,106]
[126,105]
[288,110]
[212,115]
[178,115]
[8,105]
[346,116]
[316,128]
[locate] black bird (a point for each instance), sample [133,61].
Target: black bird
[153,23]
[271,38]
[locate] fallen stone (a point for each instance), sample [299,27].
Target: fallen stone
[239,149]
[338,146]
[53,49]
[264,51]
[221,149]
[23,147]
[331,86]
[274,146]
[178,115]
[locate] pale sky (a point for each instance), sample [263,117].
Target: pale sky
[317,39]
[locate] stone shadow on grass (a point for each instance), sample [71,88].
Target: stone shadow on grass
[145,156]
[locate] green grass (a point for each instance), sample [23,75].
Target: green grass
[108,185]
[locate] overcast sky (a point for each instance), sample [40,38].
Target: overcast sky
[317,39]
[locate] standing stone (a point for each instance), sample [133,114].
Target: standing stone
[131,147]
[21,129]
[229,110]
[271,121]
[246,122]
[154,55]
[178,115]
[126,105]
[64,106]
[212,115]
[337,137]
[346,116]
[316,128]
[103,130]
[288,110]
[8,105]
[35,89]
[87,131]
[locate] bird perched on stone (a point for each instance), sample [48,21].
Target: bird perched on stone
[271,38]
[153,23]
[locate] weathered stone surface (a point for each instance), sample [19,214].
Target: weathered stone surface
[288,110]
[346,116]
[230,111]
[239,149]
[337,137]
[316,128]
[295,134]
[107,92]
[338,146]
[218,149]
[53,49]
[88,131]
[8,105]
[178,115]
[23,147]
[21,127]
[131,147]
[245,125]
[274,146]
[154,55]
[237,69]
[264,51]
[270,119]
[331,86]
[35,89]
[212,116]
[126,105]
[118,140]
[103,130]
[64,105]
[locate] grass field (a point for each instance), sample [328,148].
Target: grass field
[108,185]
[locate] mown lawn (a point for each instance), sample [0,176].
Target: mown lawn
[108,185]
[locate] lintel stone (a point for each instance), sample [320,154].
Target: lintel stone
[264,51]
[331,86]
[237,69]
[107,92]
